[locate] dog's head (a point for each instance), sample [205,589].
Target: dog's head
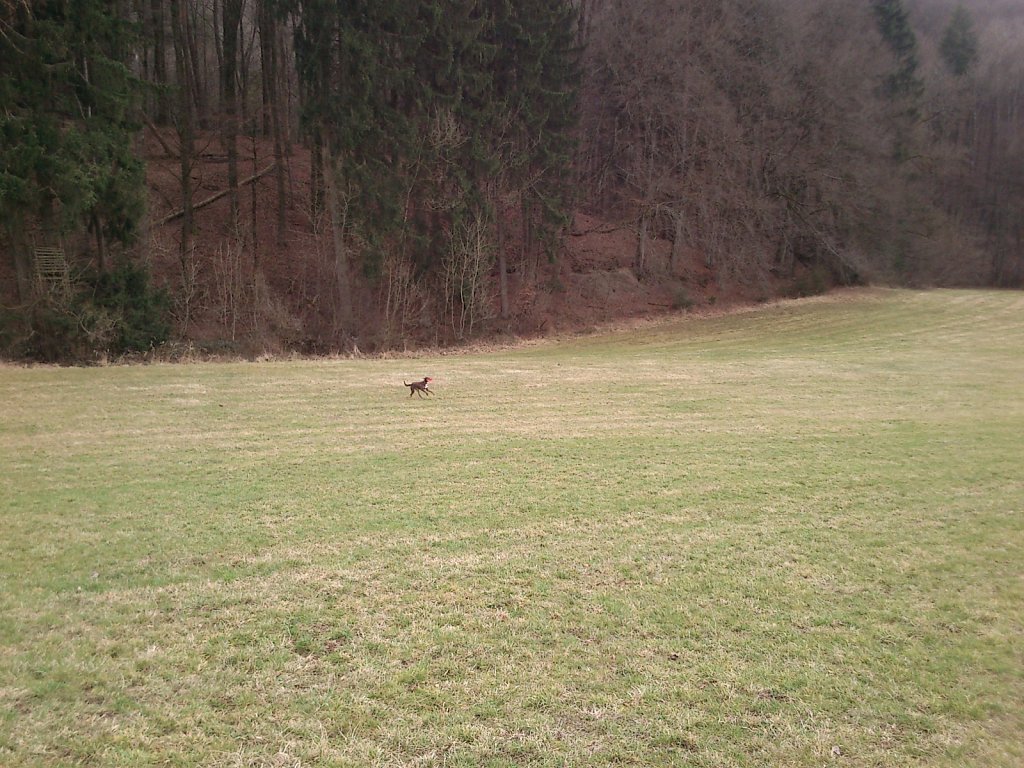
[427,379]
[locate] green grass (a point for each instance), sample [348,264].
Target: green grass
[786,537]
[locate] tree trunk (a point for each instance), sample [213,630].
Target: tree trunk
[255,211]
[338,211]
[677,241]
[528,257]
[502,263]
[640,260]
[651,148]
[101,247]
[232,10]
[191,52]
[219,43]
[284,86]
[316,178]
[22,258]
[271,73]
[282,192]
[179,22]
[159,60]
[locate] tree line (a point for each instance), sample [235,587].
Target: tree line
[450,141]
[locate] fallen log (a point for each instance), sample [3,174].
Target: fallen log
[214,198]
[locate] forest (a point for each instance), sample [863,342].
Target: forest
[342,176]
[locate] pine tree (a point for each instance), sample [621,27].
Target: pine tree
[533,115]
[959,46]
[353,60]
[894,26]
[902,89]
[70,101]
[434,113]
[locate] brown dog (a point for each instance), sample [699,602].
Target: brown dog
[419,387]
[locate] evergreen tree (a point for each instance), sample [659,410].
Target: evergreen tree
[901,89]
[354,64]
[959,46]
[434,112]
[66,160]
[894,26]
[537,78]
[527,120]
[446,147]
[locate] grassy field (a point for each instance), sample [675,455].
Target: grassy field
[792,536]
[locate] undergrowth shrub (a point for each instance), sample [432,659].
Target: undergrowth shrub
[104,314]
[140,311]
[811,282]
[681,299]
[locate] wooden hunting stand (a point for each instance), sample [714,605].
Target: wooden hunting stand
[51,268]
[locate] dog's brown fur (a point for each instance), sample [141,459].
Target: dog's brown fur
[419,387]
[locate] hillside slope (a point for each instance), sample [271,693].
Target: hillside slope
[246,291]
